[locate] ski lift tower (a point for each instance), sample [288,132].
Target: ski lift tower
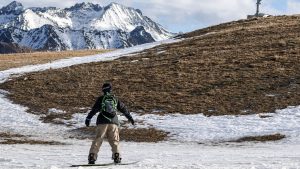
[257,7]
[257,14]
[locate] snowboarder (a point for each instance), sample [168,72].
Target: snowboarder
[107,123]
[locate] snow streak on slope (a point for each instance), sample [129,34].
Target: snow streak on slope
[6,74]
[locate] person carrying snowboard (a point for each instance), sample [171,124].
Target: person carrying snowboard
[107,123]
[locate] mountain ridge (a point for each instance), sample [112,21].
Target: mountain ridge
[97,27]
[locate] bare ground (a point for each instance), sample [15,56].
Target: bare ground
[8,138]
[135,135]
[264,138]
[256,139]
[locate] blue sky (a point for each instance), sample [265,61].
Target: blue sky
[280,5]
[186,15]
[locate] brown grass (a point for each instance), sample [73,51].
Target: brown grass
[249,69]
[8,61]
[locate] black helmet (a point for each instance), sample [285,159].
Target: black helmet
[106,87]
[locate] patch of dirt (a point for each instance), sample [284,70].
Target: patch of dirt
[265,138]
[9,135]
[9,138]
[143,135]
[28,141]
[135,135]
[237,68]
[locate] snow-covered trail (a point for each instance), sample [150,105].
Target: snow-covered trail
[185,130]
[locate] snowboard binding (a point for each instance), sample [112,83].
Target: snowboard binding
[116,158]
[92,158]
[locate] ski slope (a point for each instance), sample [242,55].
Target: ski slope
[156,156]
[196,141]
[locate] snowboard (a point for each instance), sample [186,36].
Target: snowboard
[104,164]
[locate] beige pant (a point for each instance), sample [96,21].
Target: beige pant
[111,131]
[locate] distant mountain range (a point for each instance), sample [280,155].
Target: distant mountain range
[82,26]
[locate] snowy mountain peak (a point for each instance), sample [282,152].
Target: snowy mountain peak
[12,8]
[85,6]
[116,6]
[14,5]
[82,26]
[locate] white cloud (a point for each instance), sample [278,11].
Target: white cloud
[293,7]
[195,13]
[185,15]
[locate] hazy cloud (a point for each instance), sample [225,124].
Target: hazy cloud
[186,15]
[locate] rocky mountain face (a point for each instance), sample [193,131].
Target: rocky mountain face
[82,26]
[12,48]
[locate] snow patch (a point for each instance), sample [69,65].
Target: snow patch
[215,129]
[55,111]
[14,119]
[203,129]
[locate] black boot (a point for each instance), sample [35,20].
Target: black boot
[116,158]
[92,158]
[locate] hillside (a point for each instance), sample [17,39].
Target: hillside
[14,60]
[238,68]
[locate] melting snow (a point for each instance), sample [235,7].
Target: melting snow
[217,129]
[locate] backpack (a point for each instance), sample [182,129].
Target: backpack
[109,106]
